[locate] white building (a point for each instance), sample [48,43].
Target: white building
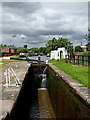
[58,54]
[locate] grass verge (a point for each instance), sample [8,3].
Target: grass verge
[14,56]
[79,73]
[1,66]
[8,61]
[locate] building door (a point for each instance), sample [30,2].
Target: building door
[61,54]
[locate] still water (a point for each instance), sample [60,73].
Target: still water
[34,111]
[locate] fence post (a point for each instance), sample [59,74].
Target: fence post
[74,59]
[70,58]
[39,65]
[88,60]
[78,59]
[82,60]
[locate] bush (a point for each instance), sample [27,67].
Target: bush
[23,50]
[78,49]
[53,59]
[57,60]
[86,53]
[3,52]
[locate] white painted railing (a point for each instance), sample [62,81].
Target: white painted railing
[10,73]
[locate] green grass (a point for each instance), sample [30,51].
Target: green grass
[79,73]
[8,61]
[2,66]
[14,56]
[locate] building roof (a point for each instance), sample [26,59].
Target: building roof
[83,46]
[11,47]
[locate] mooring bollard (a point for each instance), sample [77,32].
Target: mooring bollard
[46,61]
[39,59]
[39,66]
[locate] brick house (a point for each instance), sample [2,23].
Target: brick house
[9,49]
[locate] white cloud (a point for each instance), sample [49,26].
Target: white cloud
[39,22]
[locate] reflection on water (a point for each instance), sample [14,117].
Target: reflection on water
[34,111]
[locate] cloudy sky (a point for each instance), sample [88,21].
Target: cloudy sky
[36,23]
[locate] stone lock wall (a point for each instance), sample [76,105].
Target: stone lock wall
[66,100]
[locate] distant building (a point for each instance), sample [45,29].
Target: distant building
[83,47]
[60,53]
[9,49]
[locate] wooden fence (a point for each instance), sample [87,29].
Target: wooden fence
[78,59]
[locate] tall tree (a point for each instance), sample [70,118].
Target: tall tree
[88,40]
[35,50]
[78,49]
[54,44]
[23,50]
[88,46]
[42,50]
[25,46]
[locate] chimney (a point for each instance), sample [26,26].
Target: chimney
[81,43]
[13,45]
[10,45]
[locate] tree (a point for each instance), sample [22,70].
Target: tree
[78,49]
[35,50]
[23,50]
[4,45]
[30,51]
[88,40]
[42,50]
[54,44]
[25,46]
[88,46]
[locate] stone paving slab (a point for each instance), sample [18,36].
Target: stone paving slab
[6,106]
[11,95]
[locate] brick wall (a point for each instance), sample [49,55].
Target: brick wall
[6,49]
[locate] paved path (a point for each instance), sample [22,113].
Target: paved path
[9,95]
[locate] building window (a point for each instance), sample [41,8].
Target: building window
[2,48]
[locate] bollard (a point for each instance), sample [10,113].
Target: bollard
[39,59]
[46,61]
[39,66]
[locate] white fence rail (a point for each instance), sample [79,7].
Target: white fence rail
[10,74]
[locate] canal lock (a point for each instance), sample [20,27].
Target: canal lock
[33,100]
